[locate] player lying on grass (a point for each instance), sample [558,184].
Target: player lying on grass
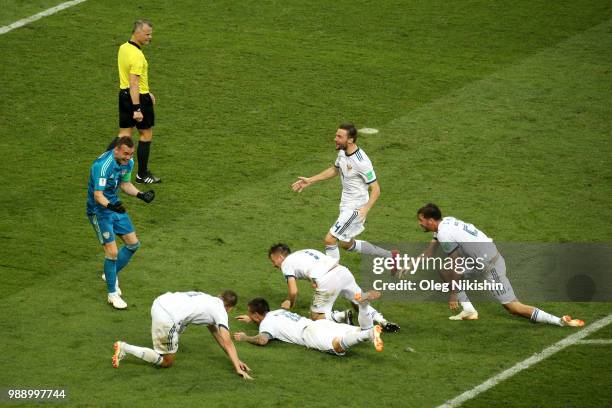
[170,315]
[329,279]
[462,240]
[323,335]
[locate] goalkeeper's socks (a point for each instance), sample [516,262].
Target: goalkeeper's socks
[540,316]
[110,273]
[125,254]
[143,353]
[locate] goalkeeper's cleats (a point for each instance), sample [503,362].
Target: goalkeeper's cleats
[115,300]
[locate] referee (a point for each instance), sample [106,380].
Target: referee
[135,101]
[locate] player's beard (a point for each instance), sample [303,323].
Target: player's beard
[341,147]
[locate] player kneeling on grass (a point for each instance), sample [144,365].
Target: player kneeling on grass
[329,280]
[462,240]
[322,335]
[171,313]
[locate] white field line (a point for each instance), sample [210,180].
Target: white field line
[536,358]
[48,12]
[595,342]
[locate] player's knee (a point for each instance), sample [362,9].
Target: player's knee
[133,247]
[111,253]
[168,360]
[317,316]
[337,346]
[513,308]
[349,246]
[330,240]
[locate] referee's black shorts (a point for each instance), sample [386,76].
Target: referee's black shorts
[126,113]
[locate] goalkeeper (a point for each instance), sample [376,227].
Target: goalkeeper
[109,172]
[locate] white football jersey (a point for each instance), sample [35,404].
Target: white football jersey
[284,325]
[470,241]
[194,308]
[356,173]
[307,264]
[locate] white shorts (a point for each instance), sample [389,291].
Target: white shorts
[320,334]
[164,332]
[348,225]
[336,282]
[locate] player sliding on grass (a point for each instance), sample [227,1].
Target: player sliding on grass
[322,335]
[462,240]
[357,176]
[329,280]
[170,315]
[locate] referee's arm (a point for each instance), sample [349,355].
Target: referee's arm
[135,95]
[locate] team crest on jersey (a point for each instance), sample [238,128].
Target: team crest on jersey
[106,234]
[349,167]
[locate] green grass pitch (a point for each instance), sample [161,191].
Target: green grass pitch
[500,112]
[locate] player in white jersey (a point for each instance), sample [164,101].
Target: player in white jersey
[357,176]
[171,313]
[322,335]
[329,280]
[458,239]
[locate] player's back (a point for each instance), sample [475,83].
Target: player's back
[284,325]
[472,242]
[193,307]
[307,264]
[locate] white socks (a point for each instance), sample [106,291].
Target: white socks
[352,338]
[143,353]
[540,316]
[468,307]
[333,251]
[365,247]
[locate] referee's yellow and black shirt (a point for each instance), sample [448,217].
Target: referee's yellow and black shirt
[131,60]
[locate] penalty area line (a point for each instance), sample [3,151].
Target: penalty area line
[45,13]
[573,339]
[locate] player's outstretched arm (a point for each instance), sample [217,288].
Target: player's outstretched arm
[130,189]
[222,336]
[259,340]
[304,182]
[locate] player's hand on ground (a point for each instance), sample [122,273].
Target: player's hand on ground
[244,367]
[453,304]
[137,116]
[244,318]
[301,184]
[239,336]
[147,196]
[286,305]
[244,375]
[117,207]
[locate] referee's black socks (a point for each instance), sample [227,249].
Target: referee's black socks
[143,157]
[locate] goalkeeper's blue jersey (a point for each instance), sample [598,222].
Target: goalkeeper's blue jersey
[106,175]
